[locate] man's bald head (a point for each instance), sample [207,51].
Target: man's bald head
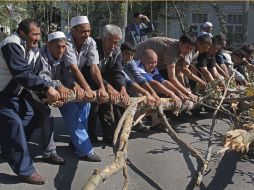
[149,59]
[148,53]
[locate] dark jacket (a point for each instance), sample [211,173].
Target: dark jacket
[21,73]
[133,37]
[110,67]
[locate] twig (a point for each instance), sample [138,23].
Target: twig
[126,177]
[210,144]
[177,138]
[246,98]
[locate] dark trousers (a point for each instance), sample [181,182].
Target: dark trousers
[15,114]
[42,119]
[109,116]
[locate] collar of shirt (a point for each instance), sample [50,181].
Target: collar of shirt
[71,39]
[30,55]
[51,59]
[22,42]
[142,66]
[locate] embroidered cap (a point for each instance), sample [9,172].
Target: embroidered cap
[56,35]
[79,20]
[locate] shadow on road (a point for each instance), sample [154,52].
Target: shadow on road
[144,176]
[66,172]
[224,172]
[65,175]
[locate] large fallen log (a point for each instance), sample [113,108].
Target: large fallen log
[120,156]
[238,140]
[122,132]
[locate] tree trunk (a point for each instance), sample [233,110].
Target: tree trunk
[245,20]
[122,22]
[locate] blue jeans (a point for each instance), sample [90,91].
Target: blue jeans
[15,114]
[75,115]
[42,119]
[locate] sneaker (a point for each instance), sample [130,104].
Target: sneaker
[54,159]
[91,158]
[35,178]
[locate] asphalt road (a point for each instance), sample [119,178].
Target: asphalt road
[155,162]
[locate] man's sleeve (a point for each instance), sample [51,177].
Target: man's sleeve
[212,62]
[92,55]
[67,77]
[157,76]
[149,28]
[188,58]
[44,72]
[132,67]
[69,56]
[117,74]
[219,59]
[147,76]
[202,61]
[128,81]
[21,71]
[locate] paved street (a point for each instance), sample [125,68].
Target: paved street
[155,162]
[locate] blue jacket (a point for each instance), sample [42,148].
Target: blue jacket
[133,37]
[15,71]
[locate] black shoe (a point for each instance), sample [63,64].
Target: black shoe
[94,140]
[91,158]
[143,128]
[108,140]
[159,128]
[54,159]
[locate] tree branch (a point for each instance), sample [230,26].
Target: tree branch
[210,143]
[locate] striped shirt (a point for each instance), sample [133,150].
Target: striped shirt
[132,71]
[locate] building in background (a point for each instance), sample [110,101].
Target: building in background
[238,19]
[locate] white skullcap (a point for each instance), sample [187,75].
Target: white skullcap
[56,35]
[207,24]
[227,58]
[79,20]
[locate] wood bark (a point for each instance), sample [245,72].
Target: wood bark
[203,169]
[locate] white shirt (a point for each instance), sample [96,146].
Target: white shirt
[88,54]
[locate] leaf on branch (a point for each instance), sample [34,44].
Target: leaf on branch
[234,106]
[250,90]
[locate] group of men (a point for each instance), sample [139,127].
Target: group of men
[76,63]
